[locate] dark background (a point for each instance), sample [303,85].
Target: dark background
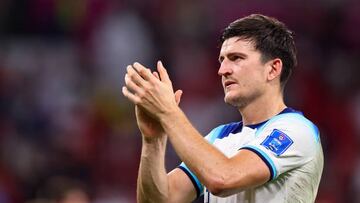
[65,124]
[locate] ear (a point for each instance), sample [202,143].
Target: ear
[275,67]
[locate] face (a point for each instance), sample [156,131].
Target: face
[242,72]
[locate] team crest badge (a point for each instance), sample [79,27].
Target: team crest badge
[277,142]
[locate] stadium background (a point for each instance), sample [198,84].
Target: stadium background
[66,129]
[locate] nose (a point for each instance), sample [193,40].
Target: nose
[224,69]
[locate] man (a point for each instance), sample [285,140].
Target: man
[273,155]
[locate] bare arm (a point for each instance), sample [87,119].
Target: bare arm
[154,185]
[223,176]
[181,189]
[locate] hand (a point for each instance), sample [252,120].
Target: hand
[154,94]
[136,81]
[150,127]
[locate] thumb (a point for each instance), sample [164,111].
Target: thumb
[164,76]
[178,95]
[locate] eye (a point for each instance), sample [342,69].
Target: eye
[235,57]
[221,59]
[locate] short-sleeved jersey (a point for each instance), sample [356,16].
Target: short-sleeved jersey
[288,143]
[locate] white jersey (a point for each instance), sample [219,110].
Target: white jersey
[289,144]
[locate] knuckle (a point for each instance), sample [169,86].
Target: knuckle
[132,76]
[142,71]
[148,88]
[140,95]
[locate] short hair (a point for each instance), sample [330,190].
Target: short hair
[270,36]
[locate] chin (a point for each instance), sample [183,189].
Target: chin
[235,101]
[230,100]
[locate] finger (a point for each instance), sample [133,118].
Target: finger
[164,76]
[134,76]
[156,75]
[132,97]
[132,87]
[143,71]
[178,95]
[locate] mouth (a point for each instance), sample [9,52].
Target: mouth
[228,83]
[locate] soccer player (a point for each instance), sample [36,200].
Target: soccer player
[272,155]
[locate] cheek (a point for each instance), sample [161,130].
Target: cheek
[257,77]
[248,81]
[250,84]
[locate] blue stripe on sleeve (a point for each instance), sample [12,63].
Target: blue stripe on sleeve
[198,186]
[269,163]
[217,133]
[214,134]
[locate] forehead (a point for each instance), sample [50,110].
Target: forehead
[237,44]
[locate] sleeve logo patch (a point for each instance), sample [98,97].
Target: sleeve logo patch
[277,142]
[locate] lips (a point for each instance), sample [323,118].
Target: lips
[228,83]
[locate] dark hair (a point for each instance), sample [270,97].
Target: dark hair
[270,36]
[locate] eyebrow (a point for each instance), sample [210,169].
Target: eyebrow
[230,54]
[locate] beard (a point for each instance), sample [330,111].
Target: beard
[240,101]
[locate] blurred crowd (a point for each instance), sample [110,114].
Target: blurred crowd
[66,133]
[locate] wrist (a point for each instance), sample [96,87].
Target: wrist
[169,116]
[153,146]
[160,139]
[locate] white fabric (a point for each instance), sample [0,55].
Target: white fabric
[297,167]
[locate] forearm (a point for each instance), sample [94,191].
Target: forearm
[152,183]
[202,158]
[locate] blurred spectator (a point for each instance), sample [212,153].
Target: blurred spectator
[62,190]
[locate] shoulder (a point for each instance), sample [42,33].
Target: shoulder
[293,131]
[223,131]
[287,141]
[294,124]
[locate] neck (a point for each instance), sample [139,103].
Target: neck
[262,108]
